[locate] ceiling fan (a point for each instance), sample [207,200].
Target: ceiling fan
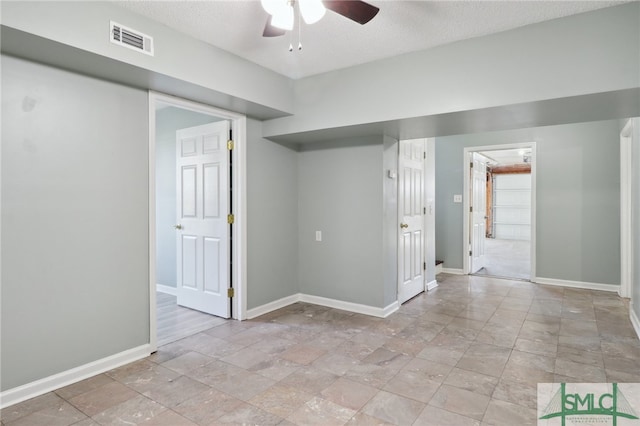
[282,13]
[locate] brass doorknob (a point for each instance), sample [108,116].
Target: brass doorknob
[404,225]
[178,226]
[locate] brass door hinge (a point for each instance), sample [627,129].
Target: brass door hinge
[470,253]
[230,219]
[230,293]
[230,145]
[471,209]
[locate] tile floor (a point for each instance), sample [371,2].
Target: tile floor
[468,353]
[507,259]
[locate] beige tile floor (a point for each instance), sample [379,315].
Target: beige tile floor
[467,353]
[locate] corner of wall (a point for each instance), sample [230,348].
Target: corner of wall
[390,219]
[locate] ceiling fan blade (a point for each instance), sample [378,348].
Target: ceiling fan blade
[355,10]
[271,31]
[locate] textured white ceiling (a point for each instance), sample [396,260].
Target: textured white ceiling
[336,42]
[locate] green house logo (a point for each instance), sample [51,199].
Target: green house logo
[612,404]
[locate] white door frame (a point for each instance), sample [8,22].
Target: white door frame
[466,202]
[239,200]
[626,205]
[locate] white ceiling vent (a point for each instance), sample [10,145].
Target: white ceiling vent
[131,38]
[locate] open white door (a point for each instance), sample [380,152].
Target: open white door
[411,164]
[478,212]
[202,207]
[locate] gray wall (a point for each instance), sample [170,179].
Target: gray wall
[430,230]
[582,54]
[578,198]
[272,223]
[636,216]
[341,194]
[390,221]
[168,121]
[75,284]
[85,25]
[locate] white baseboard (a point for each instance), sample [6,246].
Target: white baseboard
[577,284]
[323,301]
[634,320]
[438,268]
[350,306]
[48,384]
[452,271]
[433,284]
[161,288]
[272,306]
[390,309]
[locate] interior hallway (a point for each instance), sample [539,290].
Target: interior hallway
[507,259]
[176,322]
[469,352]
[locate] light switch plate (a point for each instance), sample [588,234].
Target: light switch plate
[457,198]
[318,235]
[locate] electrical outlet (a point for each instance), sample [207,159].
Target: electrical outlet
[457,198]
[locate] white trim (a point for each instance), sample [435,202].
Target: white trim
[635,321]
[239,200]
[240,206]
[161,288]
[65,378]
[626,206]
[350,306]
[466,202]
[153,318]
[273,306]
[453,271]
[576,284]
[391,308]
[433,284]
[323,301]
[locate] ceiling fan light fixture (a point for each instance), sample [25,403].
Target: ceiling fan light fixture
[283,18]
[312,10]
[272,6]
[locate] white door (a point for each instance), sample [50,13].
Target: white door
[202,207]
[478,211]
[411,215]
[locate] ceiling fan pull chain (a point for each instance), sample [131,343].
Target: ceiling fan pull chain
[299,29]
[291,41]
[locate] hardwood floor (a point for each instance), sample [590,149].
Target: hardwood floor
[176,322]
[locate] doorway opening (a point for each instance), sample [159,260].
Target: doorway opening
[500,211]
[197,227]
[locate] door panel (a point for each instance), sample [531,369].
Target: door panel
[203,231]
[188,191]
[189,261]
[411,216]
[478,214]
[211,192]
[211,265]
